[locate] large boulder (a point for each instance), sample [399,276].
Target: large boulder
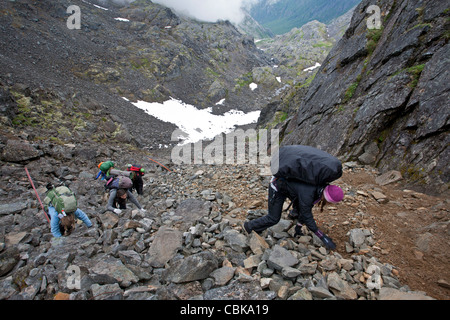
[19,151]
[195,267]
[164,247]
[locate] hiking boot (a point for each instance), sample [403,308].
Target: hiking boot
[293,215]
[245,228]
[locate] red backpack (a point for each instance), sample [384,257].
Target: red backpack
[136,168]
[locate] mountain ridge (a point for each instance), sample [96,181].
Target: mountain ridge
[283,15]
[149,57]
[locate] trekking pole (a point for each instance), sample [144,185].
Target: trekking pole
[37,195]
[160,164]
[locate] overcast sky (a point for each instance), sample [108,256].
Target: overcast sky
[209,10]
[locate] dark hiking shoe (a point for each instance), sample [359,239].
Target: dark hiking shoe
[245,228]
[292,215]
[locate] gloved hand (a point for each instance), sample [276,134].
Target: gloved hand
[327,241]
[118,211]
[298,230]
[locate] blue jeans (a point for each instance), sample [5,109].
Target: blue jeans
[54,222]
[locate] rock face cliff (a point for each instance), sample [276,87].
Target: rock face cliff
[381,96]
[298,54]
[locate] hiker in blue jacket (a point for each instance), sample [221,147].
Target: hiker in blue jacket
[62,208]
[64,224]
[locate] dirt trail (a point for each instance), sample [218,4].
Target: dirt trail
[411,229]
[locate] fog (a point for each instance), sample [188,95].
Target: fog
[119,2]
[210,10]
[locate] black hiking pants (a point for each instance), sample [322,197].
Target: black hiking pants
[275,208]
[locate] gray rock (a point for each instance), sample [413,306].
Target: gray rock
[223,275]
[192,210]
[164,247]
[389,177]
[280,258]
[7,288]
[12,208]
[340,287]
[109,220]
[320,292]
[107,292]
[370,154]
[289,272]
[8,259]
[130,257]
[236,240]
[308,268]
[18,151]
[192,268]
[116,269]
[357,237]
[302,294]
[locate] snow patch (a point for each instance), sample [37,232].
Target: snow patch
[220,103]
[198,124]
[317,65]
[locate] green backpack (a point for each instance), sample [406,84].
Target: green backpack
[61,198]
[105,167]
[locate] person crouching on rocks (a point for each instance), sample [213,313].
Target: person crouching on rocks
[62,208]
[303,175]
[304,196]
[118,200]
[63,224]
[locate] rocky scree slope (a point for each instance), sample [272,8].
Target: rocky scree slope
[381,96]
[153,56]
[188,245]
[195,211]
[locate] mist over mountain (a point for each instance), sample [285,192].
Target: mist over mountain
[210,11]
[280,16]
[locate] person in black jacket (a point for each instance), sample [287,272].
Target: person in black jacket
[304,196]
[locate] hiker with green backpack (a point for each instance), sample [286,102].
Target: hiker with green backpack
[62,207]
[105,169]
[119,184]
